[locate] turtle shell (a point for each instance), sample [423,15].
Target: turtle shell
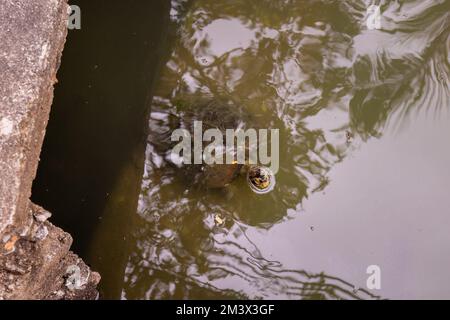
[219,114]
[220,175]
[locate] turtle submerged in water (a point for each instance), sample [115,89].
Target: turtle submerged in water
[260,179]
[221,114]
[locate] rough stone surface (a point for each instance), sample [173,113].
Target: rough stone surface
[35,261]
[39,265]
[32,37]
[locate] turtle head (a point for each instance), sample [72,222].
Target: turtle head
[260,179]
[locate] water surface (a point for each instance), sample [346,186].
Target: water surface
[364,153]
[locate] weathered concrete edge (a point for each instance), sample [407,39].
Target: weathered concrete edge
[33,35]
[34,255]
[39,265]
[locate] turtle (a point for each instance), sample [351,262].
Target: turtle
[221,114]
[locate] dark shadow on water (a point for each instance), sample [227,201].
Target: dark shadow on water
[97,128]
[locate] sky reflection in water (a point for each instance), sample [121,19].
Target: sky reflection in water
[343,201]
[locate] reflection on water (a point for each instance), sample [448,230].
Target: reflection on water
[308,68]
[403,69]
[314,71]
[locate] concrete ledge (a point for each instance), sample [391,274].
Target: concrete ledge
[32,37]
[34,254]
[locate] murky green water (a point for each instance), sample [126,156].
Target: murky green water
[364,153]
